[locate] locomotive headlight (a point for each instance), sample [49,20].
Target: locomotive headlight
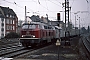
[33,36]
[22,35]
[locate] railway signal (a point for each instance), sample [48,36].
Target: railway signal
[58,16]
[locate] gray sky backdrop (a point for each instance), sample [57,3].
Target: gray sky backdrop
[50,7]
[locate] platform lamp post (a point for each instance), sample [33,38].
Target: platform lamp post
[75,20]
[76,14]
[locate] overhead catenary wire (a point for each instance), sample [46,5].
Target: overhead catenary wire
[35,1]
[14,3]
[8,2]
[58,1]
[88,10]
[46,4]
[72,3]
[54,3]
[87,1]
[43,6]
[38,1]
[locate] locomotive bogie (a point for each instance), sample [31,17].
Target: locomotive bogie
[29,41]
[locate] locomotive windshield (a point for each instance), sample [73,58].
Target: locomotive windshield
[29,26]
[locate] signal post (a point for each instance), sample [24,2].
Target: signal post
[58,43]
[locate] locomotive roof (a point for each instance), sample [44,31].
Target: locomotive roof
[46,26]
[39,23]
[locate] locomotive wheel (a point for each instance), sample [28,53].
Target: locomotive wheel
[33,46]
[41,43]
[26,46]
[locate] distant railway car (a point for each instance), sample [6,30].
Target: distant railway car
[59,33]
[36,33]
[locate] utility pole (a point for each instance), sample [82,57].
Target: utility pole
[67,29]
[79,26]
[75,23]
[67,14]
[25,15]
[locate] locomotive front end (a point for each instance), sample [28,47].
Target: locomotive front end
[29,35]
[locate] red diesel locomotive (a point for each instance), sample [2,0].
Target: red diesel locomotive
[36,33]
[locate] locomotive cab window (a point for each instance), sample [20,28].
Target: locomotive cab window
[30,26]
[25,27]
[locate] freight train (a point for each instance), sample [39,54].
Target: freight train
[36,33]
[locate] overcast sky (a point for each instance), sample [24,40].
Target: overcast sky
[50,7]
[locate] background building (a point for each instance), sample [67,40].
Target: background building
[8,21]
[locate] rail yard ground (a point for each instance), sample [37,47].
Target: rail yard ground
[51,52]
[5,41]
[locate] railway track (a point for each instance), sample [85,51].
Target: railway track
[85,47]
[5,50]
[15,50]
[26,55]
[11,48]
[86,43]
